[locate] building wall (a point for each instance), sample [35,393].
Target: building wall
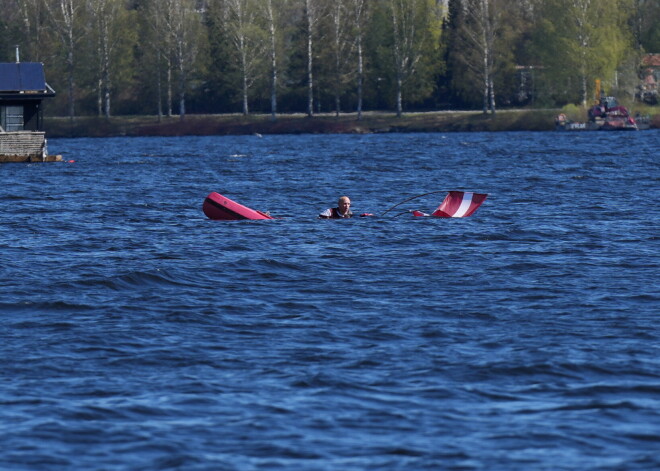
[20,116]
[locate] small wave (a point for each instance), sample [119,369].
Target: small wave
[155,278]
[43,306]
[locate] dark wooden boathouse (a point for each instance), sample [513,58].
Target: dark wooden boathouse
[23,87]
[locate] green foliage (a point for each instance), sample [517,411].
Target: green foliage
[651,38]
[570,43]
[223,71]
[579,41]
[645,24]
[419,38]
[574,112]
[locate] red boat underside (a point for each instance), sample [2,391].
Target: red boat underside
[219,207]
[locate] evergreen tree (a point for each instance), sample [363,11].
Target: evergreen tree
[645,24]
[223,71]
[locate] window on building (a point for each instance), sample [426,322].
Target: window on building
[11,118]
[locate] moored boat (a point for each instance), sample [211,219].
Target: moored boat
[605,115]
[610,116]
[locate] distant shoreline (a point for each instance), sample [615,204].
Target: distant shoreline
[327,123]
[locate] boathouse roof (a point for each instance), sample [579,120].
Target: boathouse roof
[23,81]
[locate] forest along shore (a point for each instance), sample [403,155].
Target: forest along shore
[236,124]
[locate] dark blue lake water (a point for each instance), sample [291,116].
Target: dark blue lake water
[135,334]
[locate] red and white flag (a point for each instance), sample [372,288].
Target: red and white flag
[459,204]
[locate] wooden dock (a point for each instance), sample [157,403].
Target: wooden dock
[25,146]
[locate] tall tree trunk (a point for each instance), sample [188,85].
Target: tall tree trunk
[159,86]
[491,94]
[245,79]
[106,70]
[182,92]
[251,49]
[169,87]
[360,78]
[65,23]
[337,19]
[310,77]
[99,81]
[359,18]
[337,85]
[181,24]
[31,17]
[104,12]
[485,85]
[478,34]
[70,80]
[398,61]
[273,62]
[181,65]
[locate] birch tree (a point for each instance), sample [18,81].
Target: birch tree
[65,17]
[106,15]
[343,51]
[589,42]
[312,15]
[272,22]
[31,17]
[585,34]
[10,18]
[480,21]
[182,24]
[250,43]
[415,32]
[157,51]
[358,9]
[340,49]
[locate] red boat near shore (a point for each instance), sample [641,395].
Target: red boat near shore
[605,115]
[608,115]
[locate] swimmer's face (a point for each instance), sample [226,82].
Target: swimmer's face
[344,204]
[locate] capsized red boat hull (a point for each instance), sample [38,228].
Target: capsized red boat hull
[222,208]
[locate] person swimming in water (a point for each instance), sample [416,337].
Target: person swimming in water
[343,210]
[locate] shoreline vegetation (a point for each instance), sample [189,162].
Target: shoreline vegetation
[322,123]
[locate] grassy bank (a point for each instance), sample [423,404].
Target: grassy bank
[234,124]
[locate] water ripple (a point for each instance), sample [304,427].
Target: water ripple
[137,334]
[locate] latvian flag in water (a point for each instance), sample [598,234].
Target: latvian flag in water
[457,204]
